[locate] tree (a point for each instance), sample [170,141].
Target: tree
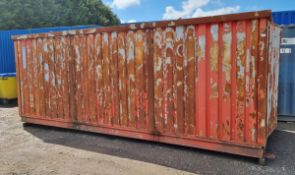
[16,14]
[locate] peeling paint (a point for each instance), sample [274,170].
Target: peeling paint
[24,57]
[139,67]
[179,32]
[214,90]
[89,31]
[254,25]
[45,47]
[262,123]
[158,38]
[226,66]
[256,14]
[263,35]
[98,71]
[53,78]
[241,46]
[253,59]
[201,47]
[40,60]
[105,38]
[50,35]
[241,68]
[46,72]
[171,24]
[132,77]
[214,57]
[78,58]
[248,59]
[179,50]
[158,80]
[131,54]
[139,37]
[168,60]
[122,52]
[114,35]
[158,66]
[132,26]
[272,78]
[64,33]
[214,49]
[142,25]
[214,32]
[72,32]
[22,37]
[241,36]
[261,48]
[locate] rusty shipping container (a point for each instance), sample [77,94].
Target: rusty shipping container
[208,83]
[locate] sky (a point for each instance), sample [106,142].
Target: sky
[155,10]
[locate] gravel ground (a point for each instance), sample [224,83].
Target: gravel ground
[37,150]
[34,149]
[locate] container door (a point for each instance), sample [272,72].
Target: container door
[286,105]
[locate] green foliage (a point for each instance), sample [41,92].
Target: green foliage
[16,14]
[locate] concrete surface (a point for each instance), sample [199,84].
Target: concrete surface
[34,149]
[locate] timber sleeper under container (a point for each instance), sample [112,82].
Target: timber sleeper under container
[207,83]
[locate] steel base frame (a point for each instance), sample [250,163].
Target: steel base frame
[212,145]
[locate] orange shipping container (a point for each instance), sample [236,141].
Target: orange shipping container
[207,83]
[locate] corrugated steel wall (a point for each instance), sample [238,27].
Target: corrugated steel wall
[286,104]
[208,83]
[284,17]
[273,77]
[7,61]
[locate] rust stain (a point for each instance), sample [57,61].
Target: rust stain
[214,49]
[140,77]
[201,47]
[168,65]
[214,90]
[131,101]
[177,82]
[158,75]
[189,77]
[226,65]
[240,67]
[214,61]
[178,79]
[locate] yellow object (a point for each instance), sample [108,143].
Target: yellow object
[8,89]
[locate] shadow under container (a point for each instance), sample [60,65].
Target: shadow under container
[208,83]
